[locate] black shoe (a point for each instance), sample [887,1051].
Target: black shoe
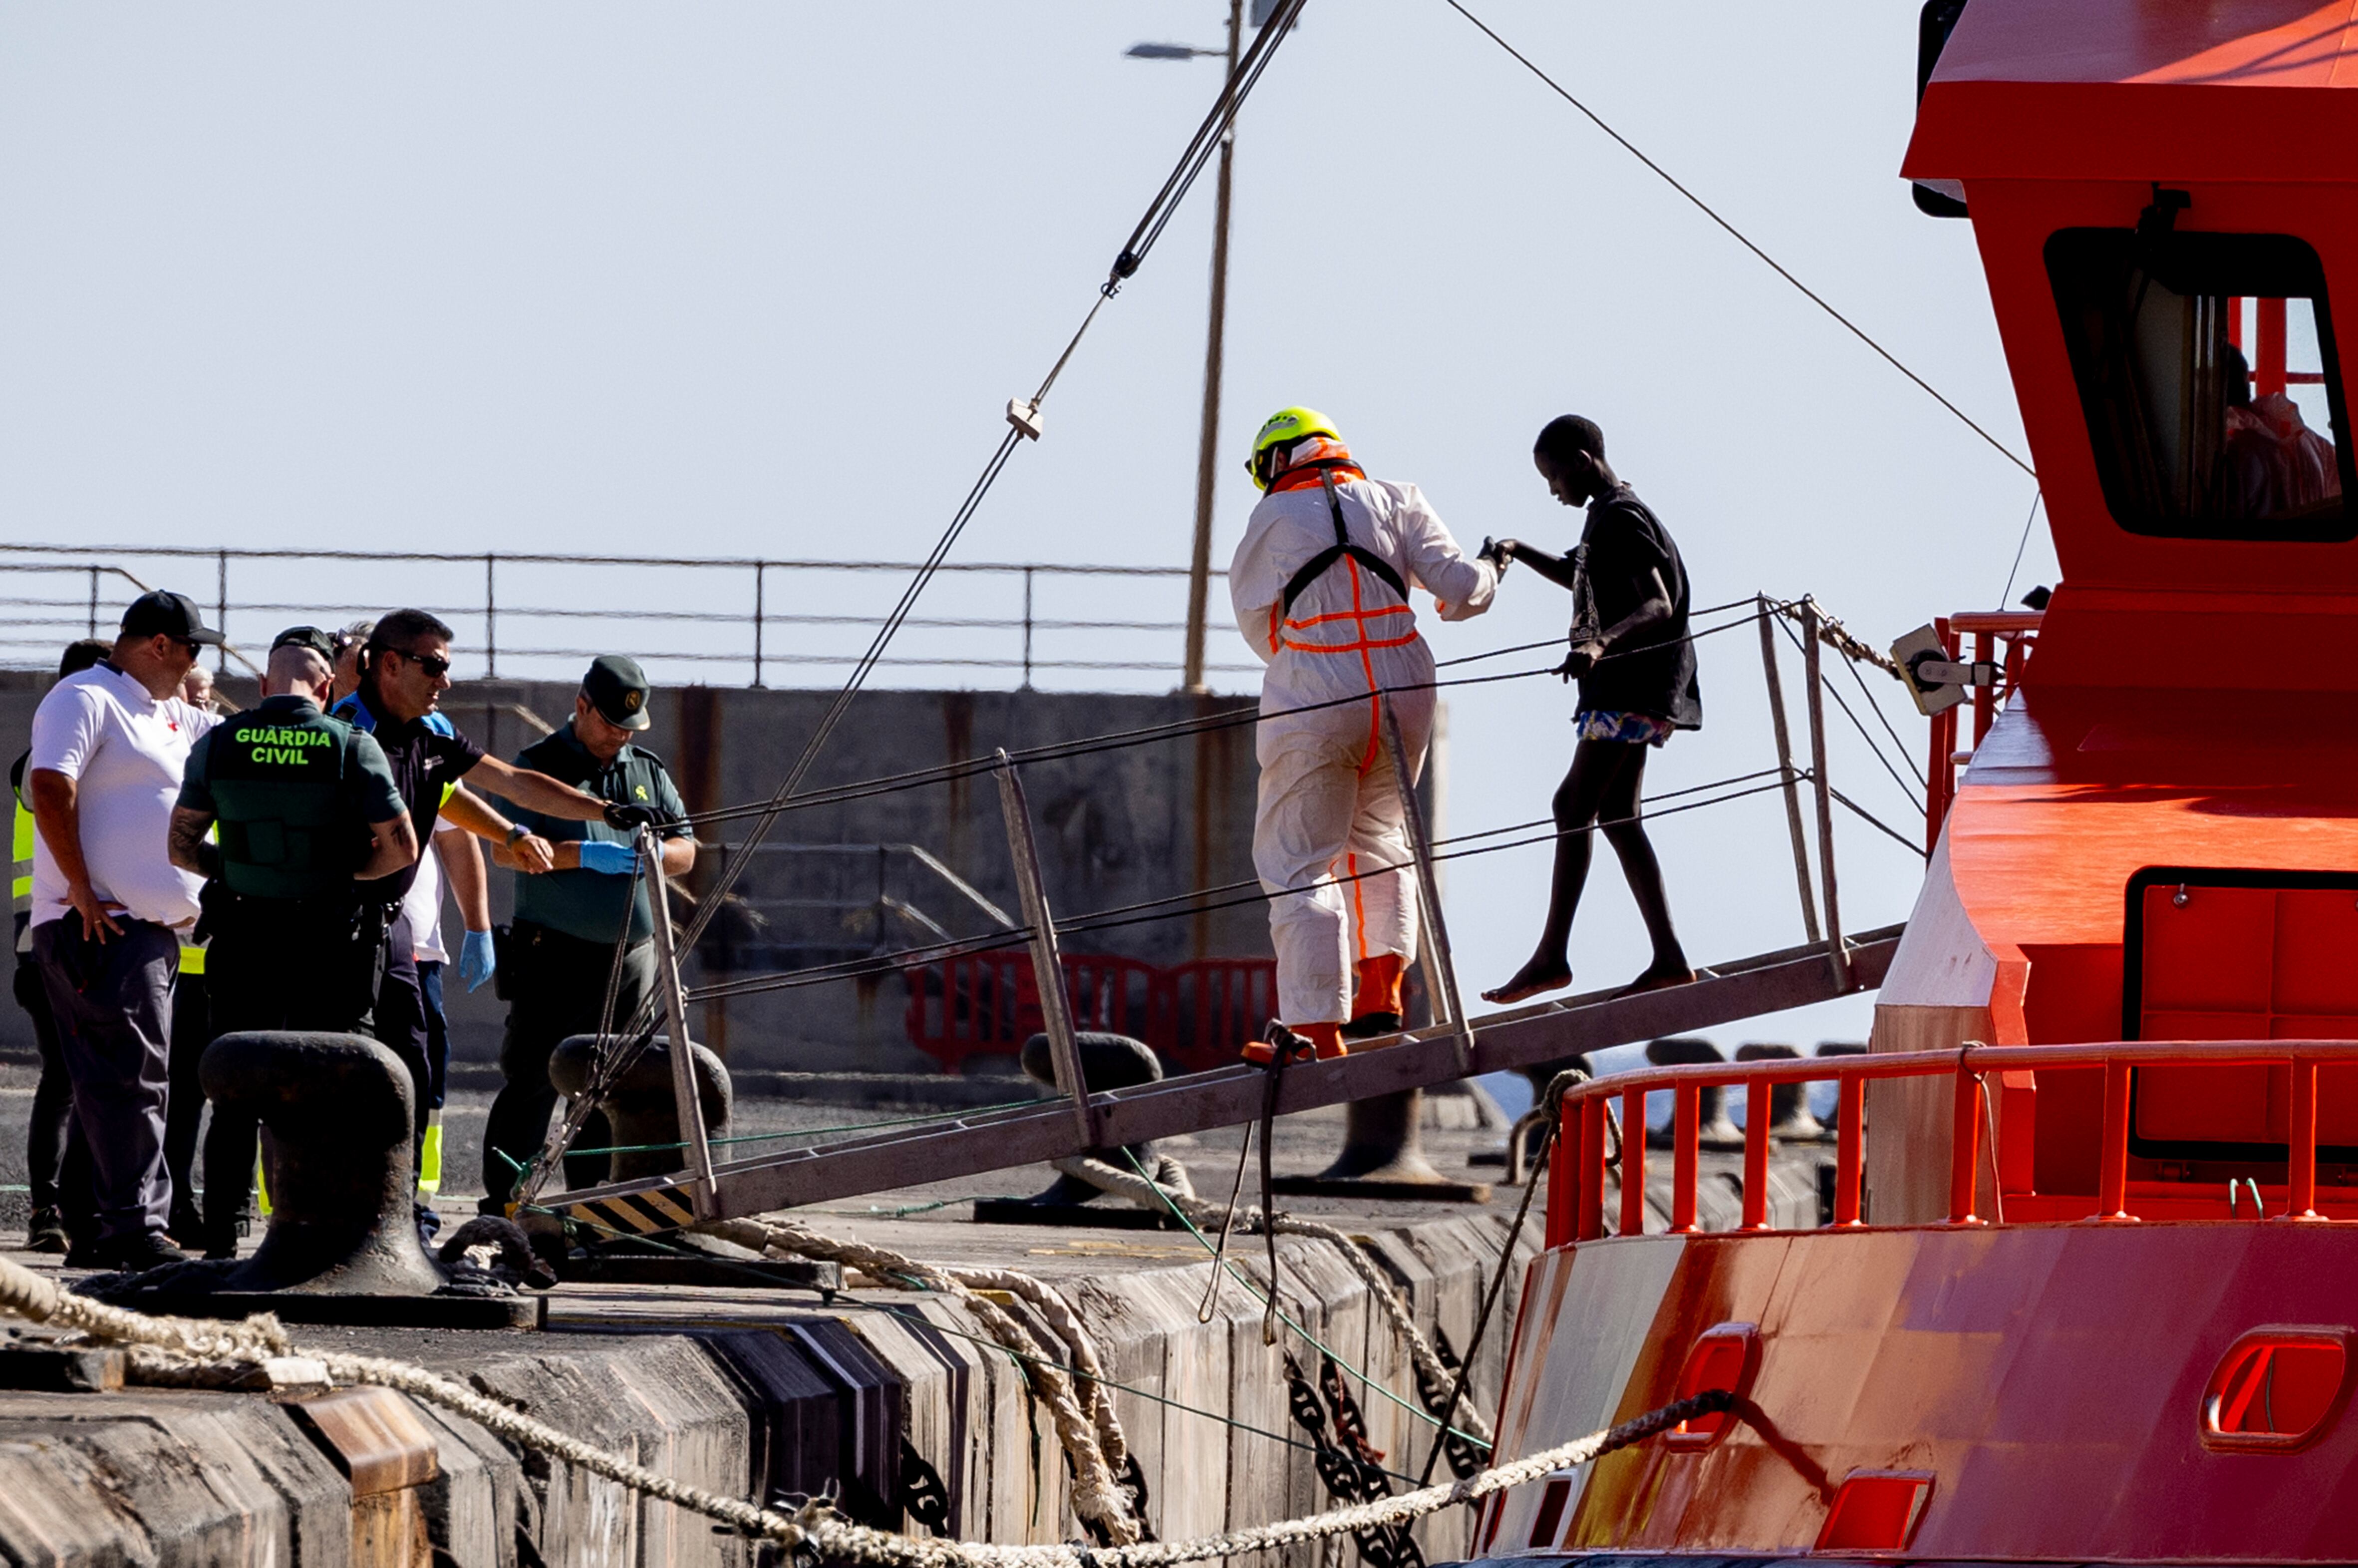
[47,1231]
[1372,1025]
[187,1225]
[147,1250]
[126,1253]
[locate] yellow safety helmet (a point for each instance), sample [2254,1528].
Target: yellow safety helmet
[1283,429]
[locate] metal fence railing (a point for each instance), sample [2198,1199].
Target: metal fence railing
[712,620]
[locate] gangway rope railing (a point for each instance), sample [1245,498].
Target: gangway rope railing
[1238,893]
[1182,729]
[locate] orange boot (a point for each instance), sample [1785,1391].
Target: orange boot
[1321,1041]
[1376,1006]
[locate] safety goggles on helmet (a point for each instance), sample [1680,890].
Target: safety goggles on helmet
[1278,434]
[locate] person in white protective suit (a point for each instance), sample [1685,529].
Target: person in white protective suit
[1321,586]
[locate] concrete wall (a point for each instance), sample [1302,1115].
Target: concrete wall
[1113,828]
[755,1394]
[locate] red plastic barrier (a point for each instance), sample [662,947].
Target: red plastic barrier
[1198,1014]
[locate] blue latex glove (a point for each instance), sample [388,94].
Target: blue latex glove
[477,959]
[615,859]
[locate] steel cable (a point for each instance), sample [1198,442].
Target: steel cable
[1180,728]
[1773,265]
[1149,911]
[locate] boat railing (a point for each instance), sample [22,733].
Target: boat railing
[1577,1179]
[2000,638]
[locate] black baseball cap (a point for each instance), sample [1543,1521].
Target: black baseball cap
[169,615]
[617,689]
[320,642]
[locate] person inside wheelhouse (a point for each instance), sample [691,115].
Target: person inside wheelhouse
[2271,463]
[2193,440]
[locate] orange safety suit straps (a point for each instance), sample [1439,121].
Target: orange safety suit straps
[1300,582]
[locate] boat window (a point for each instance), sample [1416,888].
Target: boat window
[2207,371]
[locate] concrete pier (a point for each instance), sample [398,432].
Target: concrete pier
[891,1399]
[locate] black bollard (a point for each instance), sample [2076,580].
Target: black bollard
[336,1108]
[1789,1116]
[1718,1132]
[342,1245]
[1838,1048]
[337,1111]
[1108,1061]
[642,1106]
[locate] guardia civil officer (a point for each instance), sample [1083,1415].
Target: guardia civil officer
[309,820]
[569,921]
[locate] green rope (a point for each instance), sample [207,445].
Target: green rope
[809,1131]
[1266,1300]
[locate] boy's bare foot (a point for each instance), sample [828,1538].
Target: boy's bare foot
[1538,976]
[1660,978]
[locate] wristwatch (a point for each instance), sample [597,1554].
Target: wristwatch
[517,830]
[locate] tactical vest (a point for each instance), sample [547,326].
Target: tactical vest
[281,802]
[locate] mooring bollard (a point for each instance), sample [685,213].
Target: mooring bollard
[1719,1131]
[1108,1061]
[1789,1116]
[336,1109]
[641,1106]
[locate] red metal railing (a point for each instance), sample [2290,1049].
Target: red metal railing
[1576,1184]
[2017,630]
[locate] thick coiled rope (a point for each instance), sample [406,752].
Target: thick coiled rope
[1156,1195]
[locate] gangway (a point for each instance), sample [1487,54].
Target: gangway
[1228,1097]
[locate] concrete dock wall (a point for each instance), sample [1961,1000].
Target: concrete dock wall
[893,1401]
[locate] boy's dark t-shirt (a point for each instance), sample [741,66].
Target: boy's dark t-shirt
[1651,671]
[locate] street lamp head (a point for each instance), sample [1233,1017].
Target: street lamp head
[1167,51]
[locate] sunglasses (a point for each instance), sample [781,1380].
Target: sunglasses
[189,644]
[434,665]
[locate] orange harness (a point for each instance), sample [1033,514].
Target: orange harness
[1352,558]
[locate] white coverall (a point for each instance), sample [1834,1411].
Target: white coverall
[1329,802]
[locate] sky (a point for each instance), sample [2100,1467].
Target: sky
[738,281]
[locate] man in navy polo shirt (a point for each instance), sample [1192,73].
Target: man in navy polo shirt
[404,669]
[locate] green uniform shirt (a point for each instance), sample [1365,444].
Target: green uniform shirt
[293,794]
[589,905]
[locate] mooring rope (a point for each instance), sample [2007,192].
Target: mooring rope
[1198,1213]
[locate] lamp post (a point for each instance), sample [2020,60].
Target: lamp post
[1199,560]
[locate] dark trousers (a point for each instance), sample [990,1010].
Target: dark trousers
[556,991]
[58,1167]
[279,964]
[191,1032]
[401,1022]
[112,1002]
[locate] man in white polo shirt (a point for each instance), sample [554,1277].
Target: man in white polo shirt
[109,748]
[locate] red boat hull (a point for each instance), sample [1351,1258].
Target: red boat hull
[2048,1381]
